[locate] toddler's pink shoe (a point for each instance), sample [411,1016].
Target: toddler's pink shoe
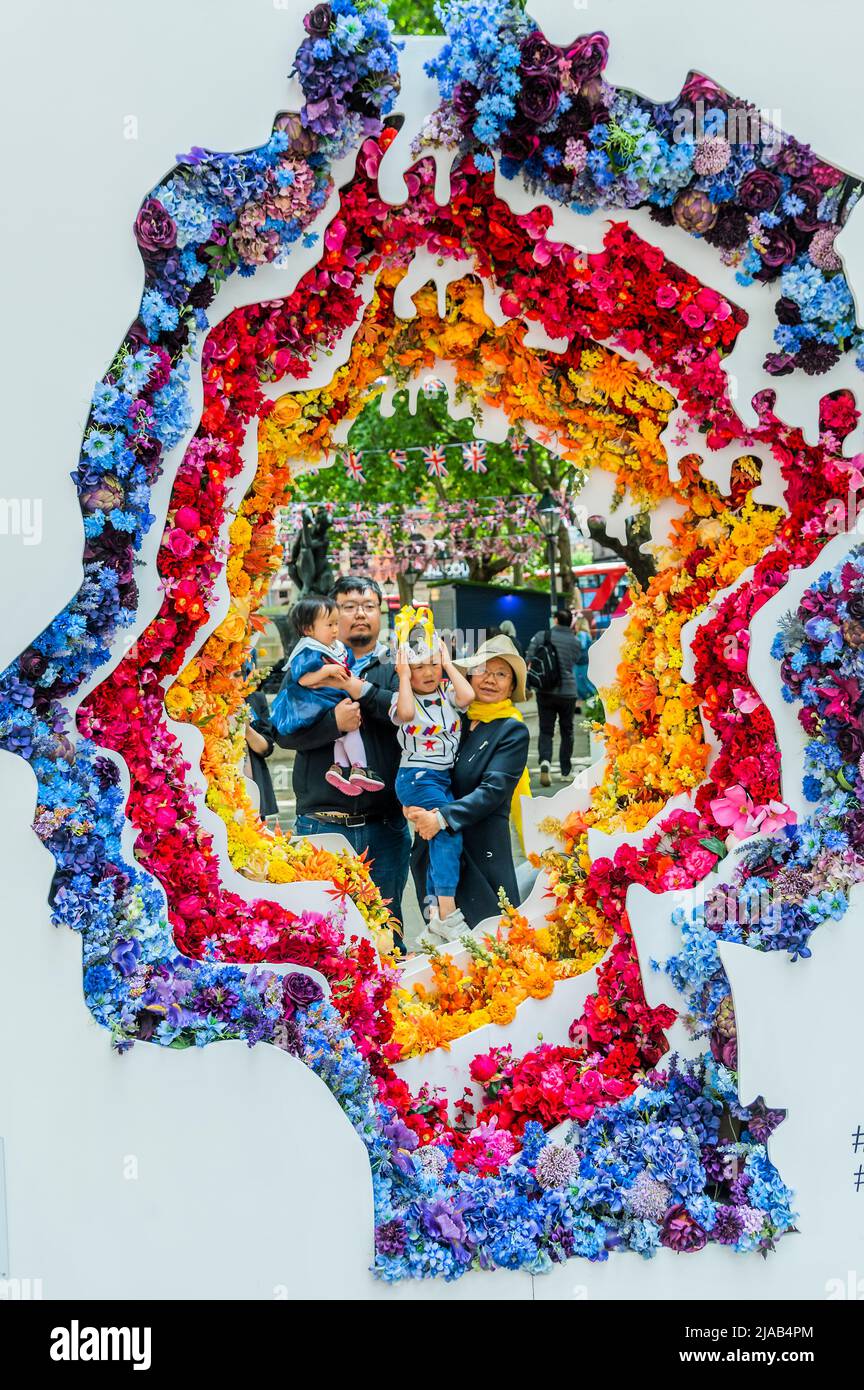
[366,780]
[338,778]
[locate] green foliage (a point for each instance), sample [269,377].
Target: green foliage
[414,17]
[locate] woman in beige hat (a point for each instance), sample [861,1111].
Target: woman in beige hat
[489,778]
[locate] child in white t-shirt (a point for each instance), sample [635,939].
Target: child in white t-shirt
[427,712]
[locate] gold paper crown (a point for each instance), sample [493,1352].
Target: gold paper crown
[408,619]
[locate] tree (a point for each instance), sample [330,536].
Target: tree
[489,535]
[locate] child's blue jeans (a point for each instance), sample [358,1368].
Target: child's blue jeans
[429,787]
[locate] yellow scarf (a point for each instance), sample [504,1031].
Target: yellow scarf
[505,709]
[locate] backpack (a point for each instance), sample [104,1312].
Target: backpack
[544,668]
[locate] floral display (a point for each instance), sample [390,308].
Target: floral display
[714,166]
[607,1143]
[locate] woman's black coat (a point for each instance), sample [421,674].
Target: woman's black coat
[260,711]
[490,762]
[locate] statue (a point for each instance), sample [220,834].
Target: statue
[309,566]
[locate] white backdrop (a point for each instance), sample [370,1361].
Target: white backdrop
[240,1160]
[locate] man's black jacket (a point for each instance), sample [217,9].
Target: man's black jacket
[314,752]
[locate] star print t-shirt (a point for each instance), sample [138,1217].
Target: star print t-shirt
[432,737]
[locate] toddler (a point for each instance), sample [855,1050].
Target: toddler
[427,715]
[319,676]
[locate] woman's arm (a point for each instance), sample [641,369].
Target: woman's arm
[498,783]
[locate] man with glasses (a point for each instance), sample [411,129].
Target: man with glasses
[371,821]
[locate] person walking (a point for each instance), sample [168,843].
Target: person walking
[582,630]
[370,821]
[557,705]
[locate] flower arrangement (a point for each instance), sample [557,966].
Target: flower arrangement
[642,1163]
[707,162]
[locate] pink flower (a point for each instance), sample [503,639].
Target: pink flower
[179,542]
[666,296]
[736,810]
[693,316]
[774,816]
[745,700]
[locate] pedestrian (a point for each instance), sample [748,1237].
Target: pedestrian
[582,631]
[508,629]
[557,705]
[259,746]
[372,821]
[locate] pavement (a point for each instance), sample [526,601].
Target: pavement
[281,764]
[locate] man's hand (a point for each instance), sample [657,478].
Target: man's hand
[424,822]
[347,716]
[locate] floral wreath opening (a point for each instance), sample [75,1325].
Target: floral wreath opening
[565,1150]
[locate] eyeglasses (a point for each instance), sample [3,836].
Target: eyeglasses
[498,676]
[350,608]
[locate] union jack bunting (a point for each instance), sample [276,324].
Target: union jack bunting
[519,448]
[398,458]
[436,462]
[353,466]
[474,457]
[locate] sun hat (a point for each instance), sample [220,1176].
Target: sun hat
[503,648]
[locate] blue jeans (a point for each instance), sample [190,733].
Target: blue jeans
[430,788]
[388,842]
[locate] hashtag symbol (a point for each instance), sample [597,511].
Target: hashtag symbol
[858,1140]
[859,1178]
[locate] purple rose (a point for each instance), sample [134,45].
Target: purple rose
[759,190]
[787,310]
[700,88]
[32,664]
[155,228]
[811,196]
[302,989]
[538,55]
[855,606]
[587,57]
[538,99]
[317,21]
[520,141]
[778,249]
[850,741]
[465,99]
[680,1231]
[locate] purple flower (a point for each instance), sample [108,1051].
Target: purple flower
[816,357]
[796,160]
[811,196]
[700,88]
[443,1221]
[317,22]
[390,1238]
[763,1122]
[126,955]
[680,1231]
[779,364]
[759,190]
[538,55]
[302,989]
[728,1226]
[155,229]
[538,98]
[778,250]
[587,57]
